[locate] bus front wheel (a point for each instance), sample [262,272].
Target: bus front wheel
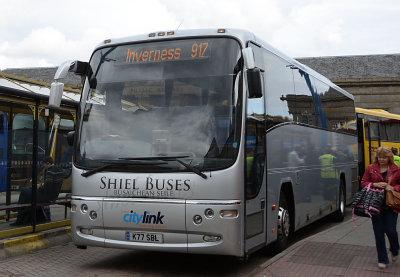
[340,213]
[283,224]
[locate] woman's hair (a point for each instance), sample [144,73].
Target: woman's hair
[384,151]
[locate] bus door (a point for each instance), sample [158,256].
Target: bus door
[255,179]
[3,151]
[374,140]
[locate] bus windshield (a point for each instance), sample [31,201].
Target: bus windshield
[159,99]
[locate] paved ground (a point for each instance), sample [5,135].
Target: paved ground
[343,250]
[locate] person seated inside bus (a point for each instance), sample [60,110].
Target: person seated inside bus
[46,192]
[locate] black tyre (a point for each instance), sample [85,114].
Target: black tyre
[284,228]
[340,213]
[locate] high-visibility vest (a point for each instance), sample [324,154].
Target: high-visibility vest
[328,169]
[396,160]
[249,166]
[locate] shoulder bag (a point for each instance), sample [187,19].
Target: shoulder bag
[393,199]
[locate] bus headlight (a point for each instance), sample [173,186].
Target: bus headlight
[84,208]
[93,215]
[197,219]
[209,213]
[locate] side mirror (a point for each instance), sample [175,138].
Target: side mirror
[71,138]
[254,83]
[56,92]
[57,88]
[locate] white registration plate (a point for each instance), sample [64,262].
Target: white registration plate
[144,237]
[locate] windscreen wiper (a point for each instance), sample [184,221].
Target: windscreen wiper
[113,163]
[191,168]
[169,158]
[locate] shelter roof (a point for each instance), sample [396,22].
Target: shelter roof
[33,88]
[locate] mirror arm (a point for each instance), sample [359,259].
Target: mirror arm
[57,87]
[248,56]
[78,67]
[63,69]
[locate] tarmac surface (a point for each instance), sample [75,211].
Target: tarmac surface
[342,250]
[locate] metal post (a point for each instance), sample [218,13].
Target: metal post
[34,164]
[9,161]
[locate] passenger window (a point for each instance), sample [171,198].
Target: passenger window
[279,89]
[337,109]
[308,105]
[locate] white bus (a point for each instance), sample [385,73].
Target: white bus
[205,141]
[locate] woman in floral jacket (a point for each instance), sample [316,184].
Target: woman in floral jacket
[384,174]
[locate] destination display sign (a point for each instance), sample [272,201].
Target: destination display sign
[167,52]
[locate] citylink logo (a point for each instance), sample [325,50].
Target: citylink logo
[145,218]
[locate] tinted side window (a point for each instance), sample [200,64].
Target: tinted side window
[337,109]
[308,104]
[280,100]
[322,106]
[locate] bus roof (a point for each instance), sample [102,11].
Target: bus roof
[242,35]
[377,112]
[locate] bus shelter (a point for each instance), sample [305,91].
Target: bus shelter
[29,132]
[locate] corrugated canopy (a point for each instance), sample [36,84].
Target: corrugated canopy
[34,87]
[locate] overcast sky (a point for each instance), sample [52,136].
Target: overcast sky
[48,32]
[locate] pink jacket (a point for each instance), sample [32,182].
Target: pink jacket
[373,175]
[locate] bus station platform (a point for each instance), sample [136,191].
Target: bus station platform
[18,240]
[52,234]
[342,250]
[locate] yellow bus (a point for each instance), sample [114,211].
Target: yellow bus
[375,128]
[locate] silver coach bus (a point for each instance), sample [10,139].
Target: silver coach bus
[205,141]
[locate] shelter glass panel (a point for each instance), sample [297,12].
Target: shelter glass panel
[56,146]
[4,134]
